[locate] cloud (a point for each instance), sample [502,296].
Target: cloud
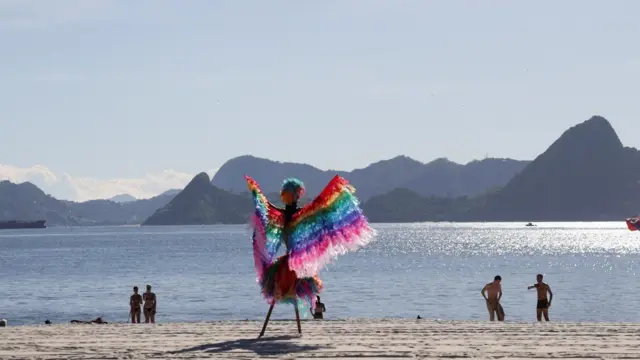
[68,187]
[35,173]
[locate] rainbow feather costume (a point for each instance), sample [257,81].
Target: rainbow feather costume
[331,225]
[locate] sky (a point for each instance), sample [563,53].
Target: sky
[101,97]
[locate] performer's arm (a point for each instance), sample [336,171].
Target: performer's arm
[274,207]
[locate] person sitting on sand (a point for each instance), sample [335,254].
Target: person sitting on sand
[96,321]
[543,304]
[150,303]
[493,296]
[319,309]
[135,302]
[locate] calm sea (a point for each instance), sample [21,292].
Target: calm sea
[433,270]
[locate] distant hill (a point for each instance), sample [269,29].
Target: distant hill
[585,175]
[26,201]
[172,192]
[106,212]
[404,205]
[437,178]
[201,203]
[444,178]
[122,198]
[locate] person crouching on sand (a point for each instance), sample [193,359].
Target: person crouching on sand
[543,305]
[319,309]
[493,295]
[135,302]
[150,303]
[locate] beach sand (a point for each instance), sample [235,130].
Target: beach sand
[366,339]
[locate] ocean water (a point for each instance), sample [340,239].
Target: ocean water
[435,270]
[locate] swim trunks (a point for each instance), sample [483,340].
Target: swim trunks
[542,304]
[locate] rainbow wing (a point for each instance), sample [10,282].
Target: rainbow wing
[331,225]
[267,224]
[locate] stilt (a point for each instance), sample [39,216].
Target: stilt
[298,318]
[266,321]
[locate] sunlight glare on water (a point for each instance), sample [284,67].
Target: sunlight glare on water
[432,269]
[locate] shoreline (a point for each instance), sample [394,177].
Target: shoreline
[334,320]
[327,339]
[523,223]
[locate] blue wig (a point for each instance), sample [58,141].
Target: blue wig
[293,186]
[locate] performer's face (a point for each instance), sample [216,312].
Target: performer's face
[287,197]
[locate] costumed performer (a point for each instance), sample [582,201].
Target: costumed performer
[329,226]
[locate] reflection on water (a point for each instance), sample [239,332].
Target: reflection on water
[435,270]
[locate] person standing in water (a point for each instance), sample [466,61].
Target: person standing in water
[150,303]
[543,304]
[135,301]
[493,295]
[318,309]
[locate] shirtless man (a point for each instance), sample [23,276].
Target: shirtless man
[543,304]
[493,295]
[135,301]
[149,306]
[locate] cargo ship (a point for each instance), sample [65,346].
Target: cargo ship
[16,224]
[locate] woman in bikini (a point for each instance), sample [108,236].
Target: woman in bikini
[134,302]
[149,306]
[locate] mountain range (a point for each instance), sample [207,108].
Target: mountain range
[26,201]
[586,174]
[439,177]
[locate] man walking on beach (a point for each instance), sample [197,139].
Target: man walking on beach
[135,301]
[543,304]
[493,295]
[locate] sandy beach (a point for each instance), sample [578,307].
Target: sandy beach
[366,339]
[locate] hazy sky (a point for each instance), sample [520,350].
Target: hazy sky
[103,97]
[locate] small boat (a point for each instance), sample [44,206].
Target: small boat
[633,223]
[531,224]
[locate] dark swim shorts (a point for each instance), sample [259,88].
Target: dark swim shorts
[542,304]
